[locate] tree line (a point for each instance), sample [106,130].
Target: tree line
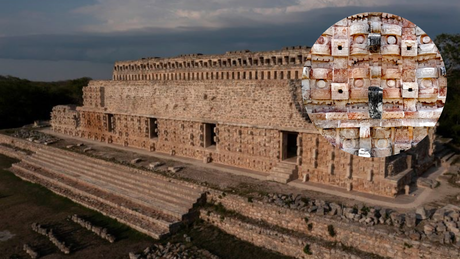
[23,101]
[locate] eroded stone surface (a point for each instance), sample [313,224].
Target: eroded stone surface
[379,70]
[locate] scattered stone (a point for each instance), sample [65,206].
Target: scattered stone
[31,252]
[50,234]
[136,160]
[174,169]
[102,232]
[80,144]
[87,149]
[411,219]
[5,235]
[421,213]
[427,183]
[155,165]
[176,251]
[69,146]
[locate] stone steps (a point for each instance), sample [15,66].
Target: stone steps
[283,172]
[162,193]
[133,194]
[101,186]
[150,203]
[156,226]
[137,175]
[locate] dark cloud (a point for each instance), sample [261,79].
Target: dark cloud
[110,47]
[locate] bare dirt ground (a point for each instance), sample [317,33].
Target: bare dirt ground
[23,203]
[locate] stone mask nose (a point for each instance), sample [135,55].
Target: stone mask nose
[375,98]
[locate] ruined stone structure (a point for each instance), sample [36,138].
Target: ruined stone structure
[242,109]
[374,84]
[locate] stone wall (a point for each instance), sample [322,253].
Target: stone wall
[365,238]
[323,163]
[261,103]
[273,65]
[271,239]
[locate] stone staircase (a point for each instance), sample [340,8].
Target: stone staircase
[149,203]
[283,172]
[447,156]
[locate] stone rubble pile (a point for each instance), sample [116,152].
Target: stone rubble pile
[101,232]
[50,234]
[31,252]
[35,136]
[442,225]
[172,251]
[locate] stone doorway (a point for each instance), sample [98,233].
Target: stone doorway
[289,146]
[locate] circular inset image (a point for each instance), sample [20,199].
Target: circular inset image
[374,84]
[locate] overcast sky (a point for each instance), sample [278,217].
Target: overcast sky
[64,39]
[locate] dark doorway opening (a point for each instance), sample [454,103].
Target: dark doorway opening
[110,122]
[289,151]
[210,135]
[153,128]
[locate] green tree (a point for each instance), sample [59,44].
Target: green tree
[449,123]
[23,101]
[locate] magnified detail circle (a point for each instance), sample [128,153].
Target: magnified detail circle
[374,84]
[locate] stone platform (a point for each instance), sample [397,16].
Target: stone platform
[142,200]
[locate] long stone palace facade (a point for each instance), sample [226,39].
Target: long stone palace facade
[242,109]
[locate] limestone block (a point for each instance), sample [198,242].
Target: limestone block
[391,29]
[336,116]
[391,93]
[398,147]
[359,73]
[359,28]
[376,27]
[306,73]
[391,73]
[339,91]
[376,71]
[409,48]
[381,152]
[427,49]
[381,133]
[321,94]
[410,90]
[340,75]
[427,72]
[365,143]
[322,45]
[364,132]
[408,75]
[341,31]
[359,49]
[340,47]
[359,93]
[390,50]
[321,73]
[349,133]
[174,169]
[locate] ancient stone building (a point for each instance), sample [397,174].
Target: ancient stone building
[242,109]
[374,84]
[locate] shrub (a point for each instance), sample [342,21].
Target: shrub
[310,226]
